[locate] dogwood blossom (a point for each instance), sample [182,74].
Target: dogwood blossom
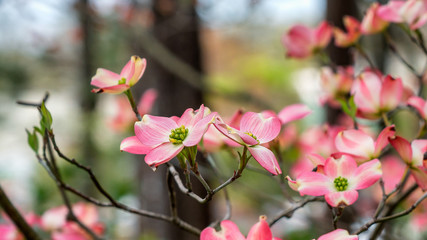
[340,180]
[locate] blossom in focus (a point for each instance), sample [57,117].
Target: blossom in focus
[110,82]
[420,105]
[412,12]
[162,138]
[301,41]
[352,26]
[372,22]
[338,234]
[375,94]
[413,155]
[340,180]
[124,117]
[255,129]
[229,231]
[336,85]
[360,145]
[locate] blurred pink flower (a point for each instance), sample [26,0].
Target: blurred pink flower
[375,94]
[8,230]
[336,85]
[111,82]
[412,12]
[340,181]
[352,26]
[162,138]
[229,231]
[293,112]
[124,117]
[413,155]
[338,234]
[301,41]
[255,129]
[420,105]
[372,22]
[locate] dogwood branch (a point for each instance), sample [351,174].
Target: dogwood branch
[288,213]
[16,217]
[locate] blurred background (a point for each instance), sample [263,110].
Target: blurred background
[225,54]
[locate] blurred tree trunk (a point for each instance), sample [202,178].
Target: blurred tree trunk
[336,10]
[87,99]
[176,27]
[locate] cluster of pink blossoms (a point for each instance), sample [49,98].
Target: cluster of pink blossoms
[54,222]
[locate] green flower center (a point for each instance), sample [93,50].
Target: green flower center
[341,183]
[122,81]
[253,136]
[178,135]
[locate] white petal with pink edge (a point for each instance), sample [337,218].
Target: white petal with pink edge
[105,78]
[265,129]
[340,167]
[314,184]
[355,142]
[195,133]
[229,230]
[338,234]
[366,175]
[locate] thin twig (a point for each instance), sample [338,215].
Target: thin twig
[288,213]
[16,217]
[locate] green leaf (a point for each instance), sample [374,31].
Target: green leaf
[349,107]
[33,141]
[46,121]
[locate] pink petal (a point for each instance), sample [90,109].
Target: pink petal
[235,119]
[54,218]
[265,129]
[391,93]
[420,22]
[382,139]
[86,213]
[134,146]
[314,184]
[9,232]
[249,140]
[162,153]
[229,231]
[322,34]
[419,104]
[419,147]
[390,12]
[355,142]
[228,131]
[393,170]
[340,199]
[338,234]
[266,159]
[366,175]
[372,23]
[299,41]
[195,134]
[139,69]
[70,235]
[420,176]
[128,70]
[153,130]
[260,231]
[341,167]
[403,147]
[293,112]
[147,100]
[104,78]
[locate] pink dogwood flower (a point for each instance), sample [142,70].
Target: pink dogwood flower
[301,41]
[372,22]
[255,129]
[162,138]
[352,26]
[340,180]
[338,234]
[229,231]
[375,94]
[412,12]
[420,105]
[360,145]
[111,82]
[413,155]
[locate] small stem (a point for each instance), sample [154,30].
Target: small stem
[364,55]
[128,93]
[385,119]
